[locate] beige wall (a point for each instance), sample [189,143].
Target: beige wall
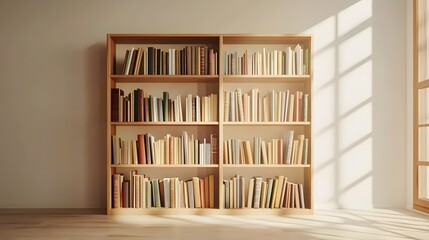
[52,91]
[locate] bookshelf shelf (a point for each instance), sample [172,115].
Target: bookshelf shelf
[164,78]
[266,165]
[269,70]
[266,123]
[164,123]
[164,165]
[266,78]
[164,211]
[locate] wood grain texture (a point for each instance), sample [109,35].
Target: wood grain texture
[326,224]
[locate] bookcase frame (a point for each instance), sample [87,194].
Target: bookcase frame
[221,171]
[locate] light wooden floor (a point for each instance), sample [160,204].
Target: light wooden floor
[335,224]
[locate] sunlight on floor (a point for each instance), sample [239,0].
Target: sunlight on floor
[326,224]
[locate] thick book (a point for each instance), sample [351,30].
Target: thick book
[125,194]
[148,148]
[191,196]
[197,193]
[156,198]
[124,64]
[257,192]
[116,150]
[167,182]
[283,192]
[274,192]
[248,151]
[133,62]
[115,98]
[263,194]
[128,62]
[288,143]
[116,191]
[148,185]
[250,194]
[211,191]
[277,198]
[141,149]
[305,157]
[151,60]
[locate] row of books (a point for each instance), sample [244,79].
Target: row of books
[275,106]
[277,62]
[270,193]
[288,150]
[190,60]
[184,149]
[135,190]
[136,107]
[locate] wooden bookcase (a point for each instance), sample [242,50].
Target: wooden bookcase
[202,85]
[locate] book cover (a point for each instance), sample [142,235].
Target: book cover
[125,194]
[191,195]
[269,192]
[264,190]
[257,192]
[197,193]
[211,190]
[156,198]
[115,99]
[250,194]
[116,191]
[301,195]
[227,194]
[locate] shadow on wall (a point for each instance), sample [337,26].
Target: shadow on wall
[355,110]
[94,141]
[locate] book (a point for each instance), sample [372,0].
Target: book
[191,196]
[257,192]
[166,183]
[202,192]
[288,143]
[305,111]
[125,194]
[269,192]
[248,153]
[301,195]
[305,157]
[116,191]
[156,197]
[141,149]
[240,116]
[128,61]
[278,191]
[211,191]
[250,194]
[148,186]
[264,190]
[274,192]
[264,157]
[196,191]
[115,98]
[116,150]
[283,193]
[226,193]
[296,194]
